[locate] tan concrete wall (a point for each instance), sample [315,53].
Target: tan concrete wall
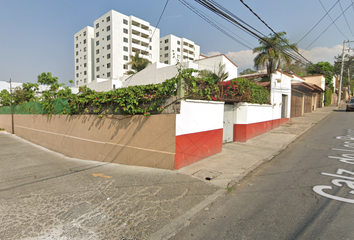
[133,140]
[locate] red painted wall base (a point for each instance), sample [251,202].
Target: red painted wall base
[244,132]
[193,147]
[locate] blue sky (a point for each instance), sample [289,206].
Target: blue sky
[38,35]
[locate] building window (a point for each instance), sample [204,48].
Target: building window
[85,80]
[166,40]
[108,46]
[108,19]
[97,34]
[77,53]
[84,41]
[77,38]
[97,25]
[178,42]
[150,47]
[166,62]
[125,49]
[97,51]
[77,75]
[166,48]
[125,21]
[125,30]
[178,49]
[166,55]
[108,65]
[85,72]
[97,60]
[77,82]
[85,65]
[84,49]
[97,69]
[77,67]
[125,40]
[97,43]
[125,66]
[77,60]
[108,37]
[108,56]
[85,33]
[108,74]
[85,57]
[125,58]
[77,45]
[108,28]
[97,76]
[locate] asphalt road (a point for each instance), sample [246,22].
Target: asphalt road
[278,201]
[45,195]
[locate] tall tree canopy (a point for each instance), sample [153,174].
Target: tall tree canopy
[47,79]
[324,68]
[217,76]
[271,52]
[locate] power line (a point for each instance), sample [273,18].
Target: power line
[318,22]
[207,19]
[332,19]
[130,78]
[346,20]
[286,42]
[224,13]
[328,27]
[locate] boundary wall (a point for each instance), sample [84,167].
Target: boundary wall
[251,120]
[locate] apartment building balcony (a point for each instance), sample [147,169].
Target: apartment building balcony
[140,36]
[188,46]
[137,27]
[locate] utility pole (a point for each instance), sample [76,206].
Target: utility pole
[341,77]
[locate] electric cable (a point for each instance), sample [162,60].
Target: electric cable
[332,19]
[328,27]
[346,20]
[318,22]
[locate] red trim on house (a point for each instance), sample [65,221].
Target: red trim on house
[193,147]
[244,132]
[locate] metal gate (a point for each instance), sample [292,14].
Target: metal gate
[228,128]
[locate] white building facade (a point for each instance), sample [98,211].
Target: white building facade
[115,38]
[84,56]
[173,49]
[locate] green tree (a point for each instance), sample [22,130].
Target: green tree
[5,98]
[137,63]
[71,82]
[348,68]
[25,93]
[217,76]
[247,71]
[271,52]
[297,67]
[47,79]
[324,68]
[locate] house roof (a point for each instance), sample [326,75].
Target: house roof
[317,75]
[266,85]
[306,87]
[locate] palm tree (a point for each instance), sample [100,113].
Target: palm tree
[272,52]
[138,63]
[219,76]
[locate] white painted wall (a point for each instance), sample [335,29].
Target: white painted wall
[6,85]
[281,85]
[104,85]
[199,116]
[212,64]
[154,73]
[246,113]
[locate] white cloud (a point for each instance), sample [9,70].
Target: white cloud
[244,59]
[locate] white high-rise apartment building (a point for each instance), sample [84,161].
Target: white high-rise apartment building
[84,56]
[115,38]
[173,48]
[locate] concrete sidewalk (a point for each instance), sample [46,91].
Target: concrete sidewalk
[237,159]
